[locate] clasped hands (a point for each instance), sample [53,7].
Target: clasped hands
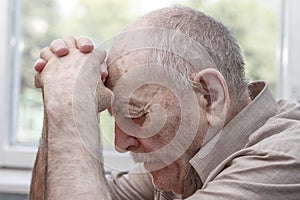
[60,63]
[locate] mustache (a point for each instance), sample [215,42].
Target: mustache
[162,157]
[143,158]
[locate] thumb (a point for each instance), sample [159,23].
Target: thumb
[103,97]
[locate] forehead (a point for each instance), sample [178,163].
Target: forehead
[142,77]
[142,98]
[141,72]
[119,64]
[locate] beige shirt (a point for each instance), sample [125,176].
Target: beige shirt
[255,156]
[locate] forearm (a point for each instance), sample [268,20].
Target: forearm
[39,173]
[65,168]
[69,162]
[71,166]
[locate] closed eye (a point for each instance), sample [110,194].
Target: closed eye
[139,120]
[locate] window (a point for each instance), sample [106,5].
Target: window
[30,25]
[42,21]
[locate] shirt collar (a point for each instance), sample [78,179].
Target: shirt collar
[235,134]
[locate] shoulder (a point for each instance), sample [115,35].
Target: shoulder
[266,168]
[255,173]
[281,133]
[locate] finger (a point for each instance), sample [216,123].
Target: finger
[70,41]
[100,53]
[104,96]
[59,47]
[46,54]
[37,81]
[84,44]
[39,65]
[103,71]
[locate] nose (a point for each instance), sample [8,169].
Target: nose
[123,141]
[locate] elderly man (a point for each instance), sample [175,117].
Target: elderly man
[182,107]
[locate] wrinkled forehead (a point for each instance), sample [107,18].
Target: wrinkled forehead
[140,46]
[124,64]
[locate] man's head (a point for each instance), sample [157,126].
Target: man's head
[185,75]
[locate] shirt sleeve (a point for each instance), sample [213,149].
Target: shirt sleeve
[135,184]
[270,171]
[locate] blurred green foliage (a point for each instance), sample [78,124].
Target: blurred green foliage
[255,23]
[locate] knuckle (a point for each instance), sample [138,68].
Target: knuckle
[83,40]
[46,53]
[70,41]
[45,49]
[100,53]
[103,67]
[37,81]
[57,44]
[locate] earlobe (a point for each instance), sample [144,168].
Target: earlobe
[214,91]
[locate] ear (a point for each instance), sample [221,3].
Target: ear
[214,96]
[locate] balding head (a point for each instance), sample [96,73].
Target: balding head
[215,39]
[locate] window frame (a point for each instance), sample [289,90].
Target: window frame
[11,155]
[17,160]
[288,51]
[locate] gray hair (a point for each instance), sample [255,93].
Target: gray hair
[215,38]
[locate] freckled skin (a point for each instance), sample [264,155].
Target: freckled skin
[169,178]
[64,167]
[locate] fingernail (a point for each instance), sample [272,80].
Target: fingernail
[86,47]
[61,48]
[59,45]
[86,43]
[39,65]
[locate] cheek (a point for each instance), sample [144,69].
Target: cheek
[151,144]
[170,129]
[163,137]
